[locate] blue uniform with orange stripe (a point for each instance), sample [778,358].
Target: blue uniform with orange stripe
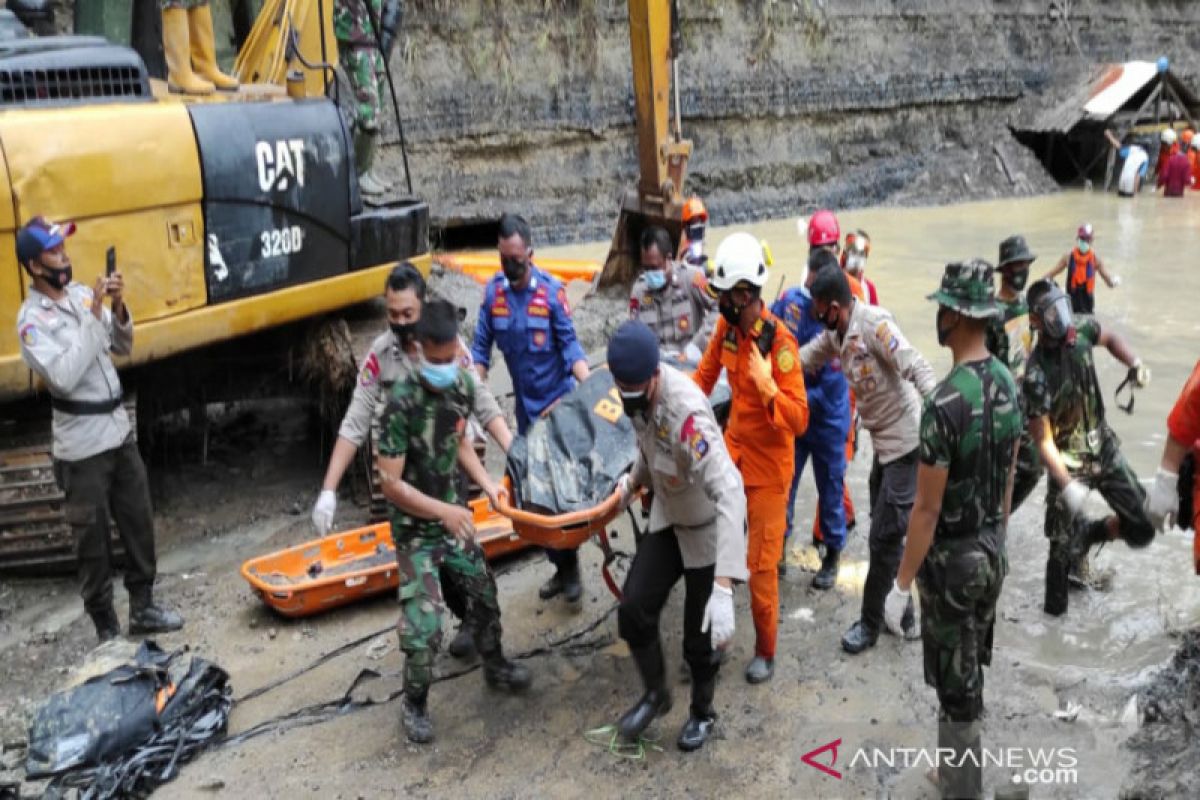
[533,329]
[828,422]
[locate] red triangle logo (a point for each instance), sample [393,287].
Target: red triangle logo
[810,758]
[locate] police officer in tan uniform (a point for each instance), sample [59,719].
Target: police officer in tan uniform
[697,530]
[672,298]
[389,361]
[67,336]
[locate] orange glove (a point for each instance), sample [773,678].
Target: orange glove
[760,372]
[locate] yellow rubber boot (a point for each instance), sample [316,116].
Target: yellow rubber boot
[180,78]
[204,50]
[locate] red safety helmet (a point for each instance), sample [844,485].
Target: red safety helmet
[694,209]
[823,229]
[1085,232]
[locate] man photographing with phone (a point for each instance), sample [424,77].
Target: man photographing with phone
[68,337]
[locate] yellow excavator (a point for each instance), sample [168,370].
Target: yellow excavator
[229,214]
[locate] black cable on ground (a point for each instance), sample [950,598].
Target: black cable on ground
[387,71]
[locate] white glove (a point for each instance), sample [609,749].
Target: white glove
[718,616]
[1116,281]
[1162,504]
[1074,497]
[692,353]
[1140,374]
[894,607]
[625,487]
[323,511]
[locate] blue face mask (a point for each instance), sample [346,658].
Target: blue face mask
[439,376]
[655,279]
[1084,246]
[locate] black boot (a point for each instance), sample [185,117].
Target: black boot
[418,727]
[826,577]
[552,587]
[1057,585]
[500,673]
[656,701]
[701,716]
[572,589]
[146,617]
[859,638]
[108,627]
[462,646]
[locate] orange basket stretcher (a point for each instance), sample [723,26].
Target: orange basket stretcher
[349,566]
[569,530]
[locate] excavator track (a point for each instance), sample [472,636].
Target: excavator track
[35,538]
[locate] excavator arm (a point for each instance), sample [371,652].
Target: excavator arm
[662,153]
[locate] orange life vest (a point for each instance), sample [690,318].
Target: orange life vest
[1081,270]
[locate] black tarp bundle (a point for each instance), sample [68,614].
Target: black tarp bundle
[571,459]
[124,733]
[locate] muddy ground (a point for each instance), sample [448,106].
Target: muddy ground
[253,496]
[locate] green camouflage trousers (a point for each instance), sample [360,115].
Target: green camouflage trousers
[423,608]
[1111,476]
[959,584]
[364,67]
[167,4]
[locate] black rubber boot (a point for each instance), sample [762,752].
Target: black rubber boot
[108,627]
[701,716]
[572,589]
[462,646]
[552,587]
[656,701]
[1057,585]
[860,637]
[505,675]
[418,727]
[826,577]
[146,617]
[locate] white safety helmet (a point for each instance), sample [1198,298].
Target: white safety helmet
[739,258]
[1169,136]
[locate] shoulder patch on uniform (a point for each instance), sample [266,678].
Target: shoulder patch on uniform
[786,360]
[369,376]
[28,334]
[694,439]
[886,337]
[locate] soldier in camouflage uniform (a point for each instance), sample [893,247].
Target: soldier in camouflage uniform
[354,25]
[955,549]
[672,297]
[420,445]
[1010,339]
[1081,453]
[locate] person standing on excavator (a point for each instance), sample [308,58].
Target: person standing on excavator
[355,25]
[889,377]
[392,358]
[770,409]
[672,298]
[526,314]
[1082,265]
[67,338]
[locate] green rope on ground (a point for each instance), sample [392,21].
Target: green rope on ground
[606,736]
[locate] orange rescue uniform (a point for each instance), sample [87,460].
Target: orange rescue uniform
[1183,425]
[760,438]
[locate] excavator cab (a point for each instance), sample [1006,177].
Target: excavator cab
[663,153]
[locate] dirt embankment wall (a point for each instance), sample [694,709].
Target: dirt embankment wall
[528,104]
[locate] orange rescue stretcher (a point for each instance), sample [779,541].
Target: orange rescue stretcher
[352,565]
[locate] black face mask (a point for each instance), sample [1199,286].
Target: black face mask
[404,333]
[635,403]
[514,268]
[1018,279]
[58,278]
[943,333]
[830,320]
[731,313]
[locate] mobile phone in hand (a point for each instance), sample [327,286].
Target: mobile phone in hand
[110,262]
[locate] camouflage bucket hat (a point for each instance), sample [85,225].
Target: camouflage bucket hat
[967,288]
[1014,250]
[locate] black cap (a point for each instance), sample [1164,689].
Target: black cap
[633,353]
[1012,250]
